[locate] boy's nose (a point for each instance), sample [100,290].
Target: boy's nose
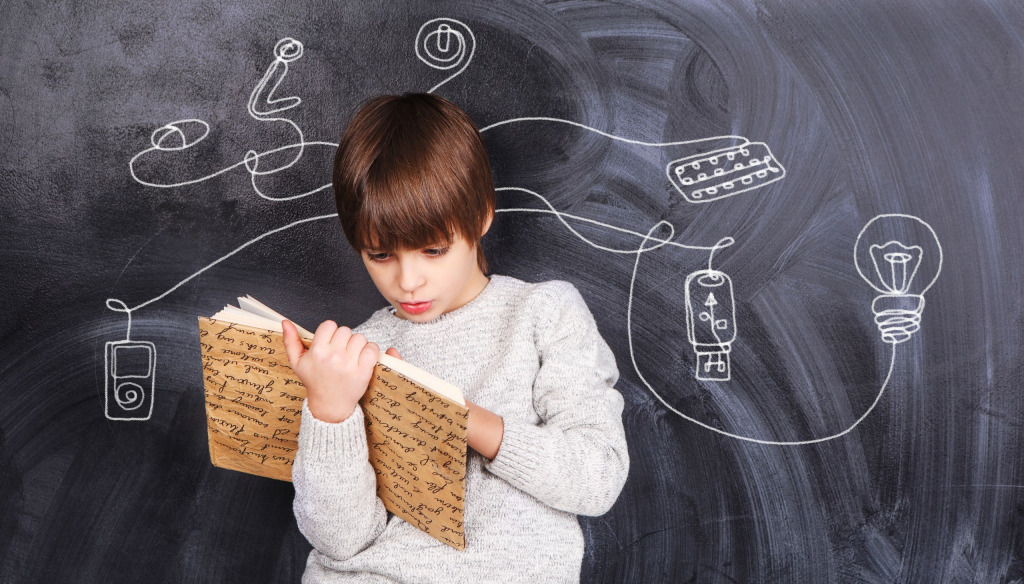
[410,277]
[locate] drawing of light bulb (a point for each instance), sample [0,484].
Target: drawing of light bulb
[711,322]
[900,257]
[441,43]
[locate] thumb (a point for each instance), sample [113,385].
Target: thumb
[292,344]
[393,352]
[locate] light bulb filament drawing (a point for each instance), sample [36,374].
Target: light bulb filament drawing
[893,270]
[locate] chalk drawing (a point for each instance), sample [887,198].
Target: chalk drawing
[712,354]
[262,106]
[442,44]
[128,391]
[132,392]
[446,44]
[636,367]
[895,270]
[725,172]
[695,141]
[710,334]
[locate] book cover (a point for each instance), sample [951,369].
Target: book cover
[416,435]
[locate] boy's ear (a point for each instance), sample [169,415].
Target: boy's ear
[487,223]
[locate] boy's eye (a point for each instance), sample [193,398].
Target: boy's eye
[378,256]
[435,251]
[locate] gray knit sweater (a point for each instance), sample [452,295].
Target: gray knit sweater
[532,354]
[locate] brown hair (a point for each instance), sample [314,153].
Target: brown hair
[411,171]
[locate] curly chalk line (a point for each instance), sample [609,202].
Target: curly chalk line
[613,136]
[262,106]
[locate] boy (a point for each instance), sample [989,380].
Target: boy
[414,193]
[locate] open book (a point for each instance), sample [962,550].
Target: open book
[415,422]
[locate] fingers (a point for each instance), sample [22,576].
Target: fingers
[333,342]
[292,345]
[352,344]
[339,344]
[362,351]
[393,352]
[368,355]
[324,334]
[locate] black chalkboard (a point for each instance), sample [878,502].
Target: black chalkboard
[159,159]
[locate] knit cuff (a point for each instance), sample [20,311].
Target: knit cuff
[520,456]
[334,441]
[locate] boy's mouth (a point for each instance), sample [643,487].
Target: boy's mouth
[415,307]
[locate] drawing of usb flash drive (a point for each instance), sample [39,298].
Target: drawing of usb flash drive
[724,172]
[710,322]
[130,379]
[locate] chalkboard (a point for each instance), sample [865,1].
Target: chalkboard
[819,344]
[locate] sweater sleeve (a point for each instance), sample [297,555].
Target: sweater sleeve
[336,504]
[576,459]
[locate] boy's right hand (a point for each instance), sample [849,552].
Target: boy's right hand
[336,369]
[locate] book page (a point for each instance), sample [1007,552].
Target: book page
[253,306]
[417,444]
[253,399]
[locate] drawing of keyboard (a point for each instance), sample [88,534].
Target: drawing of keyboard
[725,172]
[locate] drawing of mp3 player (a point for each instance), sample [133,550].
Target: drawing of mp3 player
[130,380]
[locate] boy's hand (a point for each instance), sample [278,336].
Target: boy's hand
[484,430]
[336,369]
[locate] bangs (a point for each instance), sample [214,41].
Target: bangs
[389,219]
[411,172]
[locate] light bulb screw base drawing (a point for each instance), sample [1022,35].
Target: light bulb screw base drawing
[898,316]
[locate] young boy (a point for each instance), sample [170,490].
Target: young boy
[414,192]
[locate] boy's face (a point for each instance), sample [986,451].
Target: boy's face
[425,283]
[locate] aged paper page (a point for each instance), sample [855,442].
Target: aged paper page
[253,399]
[417,443]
